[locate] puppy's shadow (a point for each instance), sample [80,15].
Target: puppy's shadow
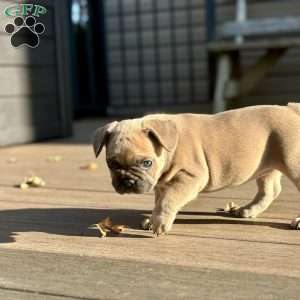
[77,221]
[66,221]
[226,220]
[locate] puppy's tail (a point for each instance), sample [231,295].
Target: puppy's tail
[295,107]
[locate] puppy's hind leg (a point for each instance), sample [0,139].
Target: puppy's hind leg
[269,188]
[296,222]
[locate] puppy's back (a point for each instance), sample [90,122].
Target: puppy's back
[295,107]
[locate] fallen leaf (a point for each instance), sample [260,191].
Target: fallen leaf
[146,224]
[32,181]
[106,223]
[231,206]
[24,186]
[101,230]
[37,182]
[105,226]
[55,158]
[90,167]
[117,228]
[12,160]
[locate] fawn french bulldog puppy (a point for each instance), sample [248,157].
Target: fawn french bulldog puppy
[179,156]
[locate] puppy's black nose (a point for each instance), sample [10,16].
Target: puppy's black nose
[129,182]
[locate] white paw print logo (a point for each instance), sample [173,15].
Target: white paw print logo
[25,32]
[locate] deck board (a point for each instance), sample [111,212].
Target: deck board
[45,235]
[41,274]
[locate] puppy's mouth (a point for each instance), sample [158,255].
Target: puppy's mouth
[126,183]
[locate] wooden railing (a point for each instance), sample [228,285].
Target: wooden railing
[275,35]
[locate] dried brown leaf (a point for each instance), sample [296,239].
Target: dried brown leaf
[90,167]
[32,181]
[55,158]
[12,160]
[102,230]
[117,228]
[106,224]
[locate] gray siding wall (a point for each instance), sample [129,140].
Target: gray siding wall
[30,95]
[282,84]
[156,52]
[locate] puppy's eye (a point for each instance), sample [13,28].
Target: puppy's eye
[146,164]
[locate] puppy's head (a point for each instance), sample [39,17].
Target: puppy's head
[137,152]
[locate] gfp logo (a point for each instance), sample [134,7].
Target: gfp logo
[25,10]
[25,30]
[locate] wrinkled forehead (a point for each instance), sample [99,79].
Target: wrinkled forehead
[129,139]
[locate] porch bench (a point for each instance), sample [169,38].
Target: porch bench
[232,38]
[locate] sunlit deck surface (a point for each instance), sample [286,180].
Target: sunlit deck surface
[48,251]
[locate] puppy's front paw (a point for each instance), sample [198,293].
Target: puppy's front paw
[162,223]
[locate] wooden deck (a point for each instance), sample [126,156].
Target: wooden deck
[47,250]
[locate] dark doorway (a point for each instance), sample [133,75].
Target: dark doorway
[89,57]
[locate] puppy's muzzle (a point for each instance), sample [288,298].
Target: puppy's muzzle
[125,182]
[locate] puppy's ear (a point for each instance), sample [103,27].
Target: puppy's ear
[164,131]
[101,135]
